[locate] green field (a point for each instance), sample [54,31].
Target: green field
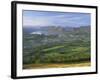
[53,48]
[66,54]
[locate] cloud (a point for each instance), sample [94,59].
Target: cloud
[29,21]
[35,18]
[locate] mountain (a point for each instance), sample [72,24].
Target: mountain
[30,29]
[48,30]
[61,33]
[53,34]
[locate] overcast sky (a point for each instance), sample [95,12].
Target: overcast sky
[49,18]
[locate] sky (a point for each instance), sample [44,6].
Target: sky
[33,18]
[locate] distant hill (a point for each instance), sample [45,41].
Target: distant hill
[59,34]
[52,29]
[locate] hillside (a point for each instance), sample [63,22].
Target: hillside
[56,45]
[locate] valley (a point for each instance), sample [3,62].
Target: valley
[55,46]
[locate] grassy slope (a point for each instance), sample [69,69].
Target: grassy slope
[66,50]
[74,56]
[53,48]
